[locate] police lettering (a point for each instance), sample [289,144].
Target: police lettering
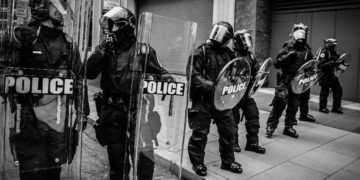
[164,88]
[232,89]
[38,85]
[306,80]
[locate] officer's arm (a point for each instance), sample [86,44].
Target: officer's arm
[154,66]
[197,75]
[281,58]
[255,66]
[96,62]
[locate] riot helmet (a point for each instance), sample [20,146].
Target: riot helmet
[242,40]
[330,43]
[54,10]
[299,33]
[119,22]
[221,33]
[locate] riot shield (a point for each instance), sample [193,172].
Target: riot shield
[307,75]
[231,84]
[41,91]
[260,77]
[162,101]
[343,65]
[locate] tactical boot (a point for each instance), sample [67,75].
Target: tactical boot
[324,110]
[289,131]
[254,147]
[237,148]
[307,117]
[338,110]
[269,131]
[233,167]
[200,169]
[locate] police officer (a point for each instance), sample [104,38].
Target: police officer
[208,60]
[242,41]
[329,61]
[294,53]
[41,145]
[120,77]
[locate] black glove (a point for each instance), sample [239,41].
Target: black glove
[291,54]
[109,41]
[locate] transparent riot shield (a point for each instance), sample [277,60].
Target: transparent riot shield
[162,102]
[231,84]
[41,90]
[307,75]
[260,77]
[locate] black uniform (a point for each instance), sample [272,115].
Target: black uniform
[41,148]
[329,80]
[283,93]
[248,105]
[206,67]
[120,77]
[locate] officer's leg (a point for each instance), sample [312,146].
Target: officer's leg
[304,103]
[199,121]
[292,108]
[337,95]
[304,107]
[279,104]
[252,126]
[118,160]
[236,114]
[146,157]
[324,94]
[225,124]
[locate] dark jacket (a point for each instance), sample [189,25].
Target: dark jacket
[206,66]
[328,65]
[290,64]
[120,70]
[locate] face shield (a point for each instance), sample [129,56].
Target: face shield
[243,41]
[299,34]
[60,12]
[220,34]
[118,21]
[331,43]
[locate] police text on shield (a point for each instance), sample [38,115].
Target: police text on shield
[164,88]
[38,85]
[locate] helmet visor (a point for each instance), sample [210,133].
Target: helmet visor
[220,34]
[299,34]
[247,40]
[63,12]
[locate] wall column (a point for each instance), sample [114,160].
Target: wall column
[255,16]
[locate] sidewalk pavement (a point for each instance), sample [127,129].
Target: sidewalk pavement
[321,152]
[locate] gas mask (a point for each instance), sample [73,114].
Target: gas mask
[330,43]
